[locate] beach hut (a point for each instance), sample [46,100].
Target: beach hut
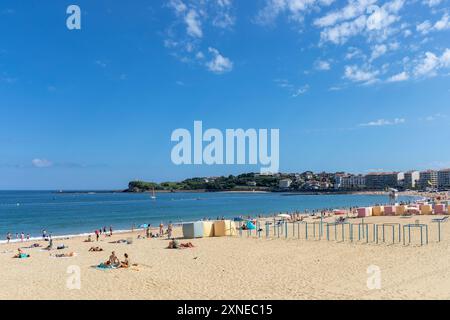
[208,229]
[224,228]
[364,212]
[193,230]
[389,210]
[426,209]
[440,209]
[400,210]
[378,211]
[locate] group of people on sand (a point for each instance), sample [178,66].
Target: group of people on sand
[19,237]
[114,262]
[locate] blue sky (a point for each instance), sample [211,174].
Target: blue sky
[352,85]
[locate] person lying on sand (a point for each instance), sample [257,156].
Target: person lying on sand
[20,254]
[64,255]
[173,244]
[186,245]
[95,249]
[119,241]
[34,245]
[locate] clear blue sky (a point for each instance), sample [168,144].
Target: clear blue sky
[355,86]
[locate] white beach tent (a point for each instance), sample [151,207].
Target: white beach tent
[284,216]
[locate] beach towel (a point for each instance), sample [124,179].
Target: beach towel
[103,266]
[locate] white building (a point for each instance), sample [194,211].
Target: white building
[285,183]
[411,179]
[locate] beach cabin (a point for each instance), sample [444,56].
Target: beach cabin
[208,229]
[364,212]
[193,230]
[224,228]
[440,209]
[400,210]
[378,211]
[426,209]
[389,210]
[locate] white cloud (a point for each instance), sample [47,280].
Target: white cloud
[443,23]
[426,26]
[352,10]
[193,24]
[431,63]
[218,63]
[383,122]
[300,91]
[378,50]
[402,76]
[357,74]
[322,65]
[41,163]
[432,3]
[372,20]
[295,9]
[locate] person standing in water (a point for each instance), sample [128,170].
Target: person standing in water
[8,237]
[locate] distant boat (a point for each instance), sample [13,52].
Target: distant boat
[153,196]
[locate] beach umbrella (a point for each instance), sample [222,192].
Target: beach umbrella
[284,215]
[143,225]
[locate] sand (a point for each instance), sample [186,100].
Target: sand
[235,268]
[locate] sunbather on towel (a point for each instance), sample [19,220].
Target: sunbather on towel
[186,245]
[95,249]
[20,254]
[64,255]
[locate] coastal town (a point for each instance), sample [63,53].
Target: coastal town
[308,181]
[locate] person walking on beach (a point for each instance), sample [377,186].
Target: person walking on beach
[22,237]
[8,237]
[28,236]
[147,231]
[97,234]
[104,230]
[110,231]
[161,229]
[169,230]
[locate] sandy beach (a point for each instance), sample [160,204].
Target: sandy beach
[235,268]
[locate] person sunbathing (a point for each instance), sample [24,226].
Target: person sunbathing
[173,244]
[20,254]
[64,255]
[186,245]
[89,239]
[95,249]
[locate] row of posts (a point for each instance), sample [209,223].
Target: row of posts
[362,232]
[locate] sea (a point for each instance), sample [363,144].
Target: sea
[77,213]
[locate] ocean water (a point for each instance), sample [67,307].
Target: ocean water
[77,213]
